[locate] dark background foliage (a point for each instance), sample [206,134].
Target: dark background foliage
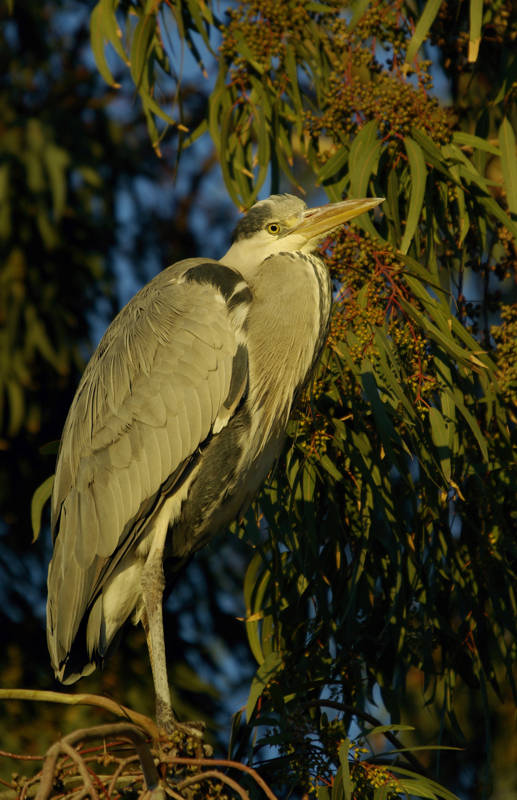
[380,559]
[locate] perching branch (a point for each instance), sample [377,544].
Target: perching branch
[120,729]
[140,720]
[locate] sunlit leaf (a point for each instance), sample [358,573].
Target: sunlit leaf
[266,671]
[39,498]
[476,19]
[509,162]
[98,43]
[418,174]
[425,20]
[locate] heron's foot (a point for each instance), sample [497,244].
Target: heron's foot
[184,735]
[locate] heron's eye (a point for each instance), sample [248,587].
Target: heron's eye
[273,227]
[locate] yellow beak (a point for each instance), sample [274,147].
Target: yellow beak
[319,221]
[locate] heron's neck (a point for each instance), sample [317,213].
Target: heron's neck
[288,323]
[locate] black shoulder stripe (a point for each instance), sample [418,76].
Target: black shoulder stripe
[242,296]
[222,278]
[239,377]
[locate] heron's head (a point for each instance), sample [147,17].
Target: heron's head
[282,223]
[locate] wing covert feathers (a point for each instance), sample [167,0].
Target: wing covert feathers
[156,387]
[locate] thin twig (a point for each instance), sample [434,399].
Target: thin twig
[81,766]
[100,731]
[172,793]
[123,764]
[220,776]
[7,754]
[225,762]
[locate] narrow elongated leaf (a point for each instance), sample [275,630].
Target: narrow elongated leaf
[56,160]
[476,142]
[476,19]
[39,498]
[267,670]
[359,9]
[420,783]
[5,208]
[426,19]
[111,28]
[509,162]
[363,161]
[330,467]
[509,78]
[346,779]
[391,208]
[140,46]
[440,436]
[292,74]
[334,164]
[16,405]
[432,153]
[201,15]
[364,143]
[418,172]
[98,43]
[493,207]
[471,421]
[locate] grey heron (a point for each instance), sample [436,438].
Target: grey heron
[177,420]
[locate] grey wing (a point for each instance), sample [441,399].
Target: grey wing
[157,386]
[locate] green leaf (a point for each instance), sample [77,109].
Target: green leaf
[201,16]
[331,167]
[346,779]
[432,153]
[440,436]
[363,158]
[141,44]
[426,19]
[493,208]
[56,160]
[267,670]
[476,20]
[254,589]
[292,74]
[98,43]
[378,729]
[330,467]
[509,78]
[5,207]
[391,209]
[418,172]
[16,405]
[39,498]
[50,448]
[476,142]
[471,421]
[111,28]
[359,8]
[363,161]
[244,50]
[509,162]
[422,787]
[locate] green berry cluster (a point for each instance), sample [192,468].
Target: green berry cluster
[505,337]
[354,74]
[371,283]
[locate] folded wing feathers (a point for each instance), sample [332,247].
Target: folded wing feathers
[148,398]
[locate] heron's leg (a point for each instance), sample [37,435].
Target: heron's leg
[153,584]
